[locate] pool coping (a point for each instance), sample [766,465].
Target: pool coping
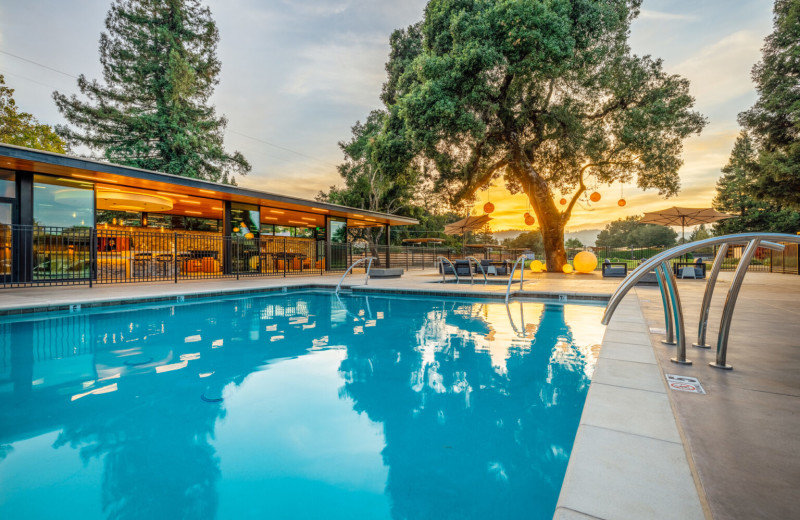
[630,460]
[182,296]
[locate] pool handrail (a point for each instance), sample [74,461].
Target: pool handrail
[521,274]
[441,260]
[369,266]
[669,290]
[470,259]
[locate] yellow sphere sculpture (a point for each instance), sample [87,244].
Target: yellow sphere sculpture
[537,266]
[585,262]
[566,268]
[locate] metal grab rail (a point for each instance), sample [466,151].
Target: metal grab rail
[671,299]
[470,259]
[441,260]
[369,266]
[521,274]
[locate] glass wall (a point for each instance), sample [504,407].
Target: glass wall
[7,188]
[245,220]
[62,203]
[5,238]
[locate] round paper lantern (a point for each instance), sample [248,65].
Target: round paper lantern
[566,268]
[594,197]
[236,230]
[585,262]
[249,236]
[527,214]
[529,220]
[537,266]
[621,202]
[488,207]
[563,202]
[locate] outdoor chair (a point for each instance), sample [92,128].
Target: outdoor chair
[614,269]
[688,272]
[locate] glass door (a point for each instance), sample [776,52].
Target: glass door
[5,239]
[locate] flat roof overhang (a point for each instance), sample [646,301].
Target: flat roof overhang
[38,161]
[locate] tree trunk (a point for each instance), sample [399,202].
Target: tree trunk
[550,219]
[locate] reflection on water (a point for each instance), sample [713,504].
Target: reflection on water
[293,406]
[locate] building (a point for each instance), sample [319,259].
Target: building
[66,219]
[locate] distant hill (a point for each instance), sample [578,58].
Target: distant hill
[586,236]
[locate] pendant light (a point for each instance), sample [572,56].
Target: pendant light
[621,202]
[563,201]
[488,207]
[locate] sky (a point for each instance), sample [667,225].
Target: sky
[297,74]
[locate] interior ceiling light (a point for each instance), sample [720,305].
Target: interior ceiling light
[270,218]
[132,201]
[319,209]
[193,212]
[206,191]
[277,212]
[217,209]
[189,201]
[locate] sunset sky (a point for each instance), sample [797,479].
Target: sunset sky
[297,74]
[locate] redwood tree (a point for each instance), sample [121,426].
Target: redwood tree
[546,95]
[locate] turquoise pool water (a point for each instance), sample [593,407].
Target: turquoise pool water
[293,406]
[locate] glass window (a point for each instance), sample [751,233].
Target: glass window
[304,232]
[118,218]
[338,231]
[283,231]
[65,204]
[245,220]
[7,184]
[267,229]
[5,239]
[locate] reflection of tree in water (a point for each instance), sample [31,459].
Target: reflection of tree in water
[464,440]
[153,432]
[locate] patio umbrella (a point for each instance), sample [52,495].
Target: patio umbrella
[469,223]
[683,217]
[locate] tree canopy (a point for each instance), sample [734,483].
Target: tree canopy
[735,195]
[543,94]
[151,110]
[629,232]
[774,120]
[22,129]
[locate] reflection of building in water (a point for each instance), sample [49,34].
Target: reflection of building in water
[124,387]
[465,439]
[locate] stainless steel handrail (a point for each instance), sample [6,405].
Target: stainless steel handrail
[670,295]
[441,260]
[705,308]
[369,266]
[521,274]
[472,278]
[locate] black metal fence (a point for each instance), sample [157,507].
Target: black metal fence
[37,255]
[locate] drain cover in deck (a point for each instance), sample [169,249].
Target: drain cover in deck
[685,384]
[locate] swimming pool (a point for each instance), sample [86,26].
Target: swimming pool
[299,405]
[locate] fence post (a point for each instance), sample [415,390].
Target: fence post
[175,267]
[238,255]
[285,258]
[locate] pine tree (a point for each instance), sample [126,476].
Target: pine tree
[151,111]
[775,118]
[735,195]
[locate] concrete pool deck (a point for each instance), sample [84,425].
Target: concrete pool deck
[642,451]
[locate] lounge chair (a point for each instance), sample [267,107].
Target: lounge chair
[614,269]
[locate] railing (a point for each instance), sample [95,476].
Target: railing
[519,259]
[42,256]
[673,312]
[471,259]
[441,260]
[368,259]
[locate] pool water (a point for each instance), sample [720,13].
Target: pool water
[293,406]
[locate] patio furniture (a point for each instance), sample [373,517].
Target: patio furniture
[143,265]
[387,272]
[497,267]
[164,265]
[614,269]
[696,269]
[462,268]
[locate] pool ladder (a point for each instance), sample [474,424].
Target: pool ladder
[369,266]
[673,310]
[520,259]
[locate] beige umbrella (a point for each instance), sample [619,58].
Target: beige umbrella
[470,223]
[683,217]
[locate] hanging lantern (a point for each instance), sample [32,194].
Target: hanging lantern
[526,215]
[488,207]
[594,197]
[621,202]
[249,236]
[563,201]
[529,220]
